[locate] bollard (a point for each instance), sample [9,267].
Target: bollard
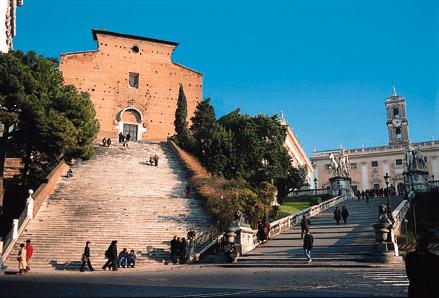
[1,253]
[30,205]
[14,229]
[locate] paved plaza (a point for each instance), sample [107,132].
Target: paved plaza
[212,281]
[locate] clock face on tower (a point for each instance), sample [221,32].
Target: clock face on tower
[397,122]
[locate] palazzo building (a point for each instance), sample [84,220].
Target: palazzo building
[369,165]
[296,152]
[133,84]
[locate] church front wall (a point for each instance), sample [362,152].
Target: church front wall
[104,74]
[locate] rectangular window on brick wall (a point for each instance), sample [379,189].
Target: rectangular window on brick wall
[398,162]
[353,166]
[134,80]
[374,164]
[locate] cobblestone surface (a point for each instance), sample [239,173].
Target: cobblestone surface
[211,282]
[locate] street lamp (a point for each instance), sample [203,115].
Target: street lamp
[387,180]
[406,232]
[315,185]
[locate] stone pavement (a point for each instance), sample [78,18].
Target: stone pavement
[344,245]
[114,196]
[193,281]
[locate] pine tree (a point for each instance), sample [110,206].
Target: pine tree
[44,120]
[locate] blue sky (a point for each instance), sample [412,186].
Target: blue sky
[328,65]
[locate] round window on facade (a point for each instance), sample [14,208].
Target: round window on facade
[135,49]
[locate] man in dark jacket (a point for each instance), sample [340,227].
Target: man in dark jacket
[304,224]
[421,266]
[308,243]
[86,258]
[111,254]
[174,250]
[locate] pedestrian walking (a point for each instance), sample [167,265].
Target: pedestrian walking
[267,229]
[188,190]
[108,142]
[151,160]
[261,234]
[337,215]
[344,214]
[21,258]
[29,253]
[308,243]
[111,255]
[86,258]
[174,250]
[128,138]
[104,142]
[121,137]
[156,160]
[304,225]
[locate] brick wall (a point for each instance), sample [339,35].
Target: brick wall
[47,188]
[104,74]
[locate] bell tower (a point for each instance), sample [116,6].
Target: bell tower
[397,123]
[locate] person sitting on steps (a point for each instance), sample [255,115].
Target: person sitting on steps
[132,259]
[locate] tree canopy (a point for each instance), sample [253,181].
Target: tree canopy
[43,119]
[244,148]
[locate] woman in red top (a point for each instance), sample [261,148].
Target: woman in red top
[29,252]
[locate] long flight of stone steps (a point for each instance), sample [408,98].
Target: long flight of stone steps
[115,196]
[343,245]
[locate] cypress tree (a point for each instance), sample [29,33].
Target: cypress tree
[180,123]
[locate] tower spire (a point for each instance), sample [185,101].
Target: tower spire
[394,91]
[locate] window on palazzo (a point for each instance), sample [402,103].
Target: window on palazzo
[374,164]
[398,162]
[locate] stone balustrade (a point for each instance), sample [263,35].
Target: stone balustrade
[246,239]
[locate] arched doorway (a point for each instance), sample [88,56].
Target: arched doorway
[130,122]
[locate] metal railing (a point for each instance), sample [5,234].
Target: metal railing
[434,184]
[202,243]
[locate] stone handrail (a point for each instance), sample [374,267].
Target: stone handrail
[308,192]
[248,243]
[285,223]
[398,215]
[33,204]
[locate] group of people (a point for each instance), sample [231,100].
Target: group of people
[106,142]
[344,213]
[115,261]
[180,247]
[23,257]
[154,160]
[264,229]
[124,139]
[123,259]
[379,192]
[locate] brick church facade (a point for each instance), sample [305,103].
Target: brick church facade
[133,84]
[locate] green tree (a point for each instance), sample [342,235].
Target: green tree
[180,123]
[203,123]
[44,120]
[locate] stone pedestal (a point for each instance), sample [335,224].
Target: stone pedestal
[417,179]
[341,186]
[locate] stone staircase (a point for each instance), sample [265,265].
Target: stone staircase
[115,196]
[344,245]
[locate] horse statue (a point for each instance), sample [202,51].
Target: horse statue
[334,164]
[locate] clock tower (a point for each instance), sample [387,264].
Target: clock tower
[397,123]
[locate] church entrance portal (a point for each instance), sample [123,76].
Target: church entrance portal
[130,129]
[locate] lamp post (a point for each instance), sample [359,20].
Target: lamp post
[406,232]
[387,180]
[315,185]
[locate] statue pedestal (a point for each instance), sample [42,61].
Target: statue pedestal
[417,179]
[341,186]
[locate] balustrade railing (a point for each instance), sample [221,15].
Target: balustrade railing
[205,241]
[308,192]
[287,222]
[434,184]
[399,214]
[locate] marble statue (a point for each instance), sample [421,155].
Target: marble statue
[415,159]
[340,165]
